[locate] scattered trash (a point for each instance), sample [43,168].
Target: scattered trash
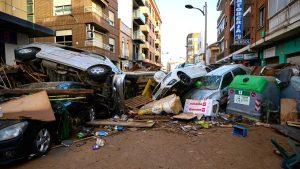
[238,130]
[186,128]
[185,116]
[170,104]
[99,143]
[67,143]
[203,124]
[124,124]
[119,128]
[289,160]
[101,133]
[124,117]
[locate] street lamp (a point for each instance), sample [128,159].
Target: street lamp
[204,12]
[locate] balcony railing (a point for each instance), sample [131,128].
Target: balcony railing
[138,35]
[141,56]
[145,28]
[92,9]
[287,16]
[97,43]
[138,15]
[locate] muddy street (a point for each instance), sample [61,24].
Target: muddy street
[165,148]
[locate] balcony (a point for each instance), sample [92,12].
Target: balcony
[95,15]
[145,10]
[139,17]
[95,43]
[145,45]
[145,28]
[157,53]
[287,16]
[141,2]
[141,57]
[157,42]
[139,37]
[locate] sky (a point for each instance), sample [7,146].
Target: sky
[179,21]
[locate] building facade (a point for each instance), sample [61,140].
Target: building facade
[17,28]
[194,48]
[125,46]
[212,51]
[85,24]
[263,32]
[147,33]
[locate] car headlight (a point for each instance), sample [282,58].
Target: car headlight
[173,81]
[13,131]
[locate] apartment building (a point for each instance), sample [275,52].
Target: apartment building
[17,28]
[212,52]
[125,46]
[86,24]
[258,31]
[147,33]
[194,48]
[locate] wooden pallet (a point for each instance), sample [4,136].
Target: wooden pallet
[137,102]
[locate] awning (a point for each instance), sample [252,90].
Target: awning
[12,23]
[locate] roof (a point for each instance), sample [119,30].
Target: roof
[222,70]
[10,22]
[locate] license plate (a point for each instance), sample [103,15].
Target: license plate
[240,99]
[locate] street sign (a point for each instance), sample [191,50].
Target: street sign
[242,42]
[250,56]
[238,57]
[238,19]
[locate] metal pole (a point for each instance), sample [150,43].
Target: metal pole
[205,31]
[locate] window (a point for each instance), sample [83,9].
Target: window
[227,79]
[62,7]
[111,18]
[64,37]
[261,19]
[238,71]
[112,45]
[275,6]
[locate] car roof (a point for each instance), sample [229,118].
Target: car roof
[224,69]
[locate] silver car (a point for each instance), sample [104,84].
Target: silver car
[215,84]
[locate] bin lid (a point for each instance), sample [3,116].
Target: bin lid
[251,83]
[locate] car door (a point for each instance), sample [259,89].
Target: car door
[227,79]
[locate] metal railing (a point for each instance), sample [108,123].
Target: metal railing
[97,43]
[138,35]
[137,14]
[92,9]
[287,16]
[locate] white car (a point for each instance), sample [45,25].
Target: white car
[181,77]
[214,85]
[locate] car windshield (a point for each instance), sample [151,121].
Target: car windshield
[210,82]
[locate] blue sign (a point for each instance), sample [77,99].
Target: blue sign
[238,19]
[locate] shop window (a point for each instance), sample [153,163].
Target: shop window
[64,37]
[62,7]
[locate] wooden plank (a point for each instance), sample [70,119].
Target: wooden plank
[185,116]
[124,124]
[288,110]
[293,124]
[49,92]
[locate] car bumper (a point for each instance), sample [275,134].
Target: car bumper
[11,150]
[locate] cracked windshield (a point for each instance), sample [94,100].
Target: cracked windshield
[149,84]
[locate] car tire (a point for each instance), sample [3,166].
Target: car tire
[99,72]
[26,54]
[184,79]
[42,142]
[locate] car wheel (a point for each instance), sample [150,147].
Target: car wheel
[42,142]
[184,79]
[26,54]
[98,72]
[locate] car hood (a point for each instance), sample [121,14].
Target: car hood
[6,123]
[200,94]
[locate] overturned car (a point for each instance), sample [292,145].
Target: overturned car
[64,63]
